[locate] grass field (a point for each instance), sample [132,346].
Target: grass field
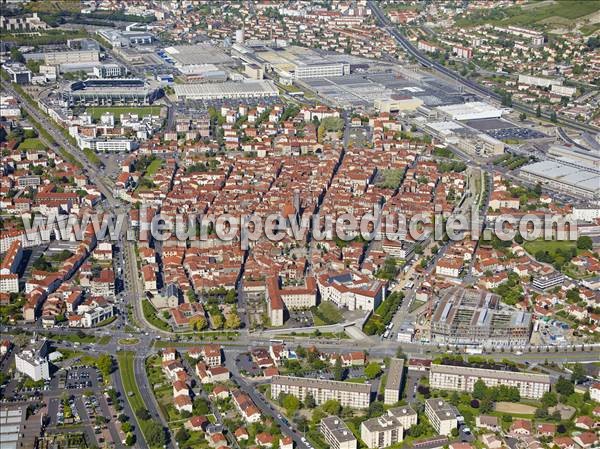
[547,245]
[96,113]
[128,341]
[153,167]
[327,313]
[32,144]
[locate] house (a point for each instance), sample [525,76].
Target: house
[487,422]
[212,354]
[595,392]
[264,439]
[491,441]
[169,354]
[286,443]
[241,434]
[183,403]
[220,392]
[180,389]
[217,440]
[586,439]
[584,422]
[521,427]
[546,430]
[564,442]
[197,423]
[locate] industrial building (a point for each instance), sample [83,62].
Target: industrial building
[564,177]
[203,53]
[71,56]
[470,111]
[463,378]
[96,92]
[118,38]
[468,316]
[336,433]
[349,394]
[230,89]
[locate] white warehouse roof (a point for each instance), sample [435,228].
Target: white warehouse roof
[471,111]
[212,91]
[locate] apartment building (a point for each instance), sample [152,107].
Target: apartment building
[33,361]
[460,378]
[442,416]
[468,316]
[393,383]
[387,429]
[546,282]
[336,433]
[347,393]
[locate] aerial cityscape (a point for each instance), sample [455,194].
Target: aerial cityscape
[300,224]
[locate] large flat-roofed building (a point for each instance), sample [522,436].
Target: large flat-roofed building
[118,38]
[462,378]
[347,393]
[202,53]
[468,316]
[470,111]
[565,177]
[389,428]
[336,433]
[33,361]
[18,73]
[71,56]
[320,70]
[442,416]
[230,89]
[393,383]
[120,91]
[12,422]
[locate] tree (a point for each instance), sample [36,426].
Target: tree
[553,117]
[522,116]
[400,353]
[332,407]
[309,401]
[155,435]
[182,435]
[578,375]
[372,370]
[564,386]
[480,390]
[198,322]
[233,321]
[454,432]
[584,242]
[549,399]
[538,111]
[290,403]
[376,409]
[338,369]
[105,364]
[217,321]
[130,439]
[541,413]
[143,414]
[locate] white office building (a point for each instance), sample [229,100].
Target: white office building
[33,361]
[336,433]
[442,416]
